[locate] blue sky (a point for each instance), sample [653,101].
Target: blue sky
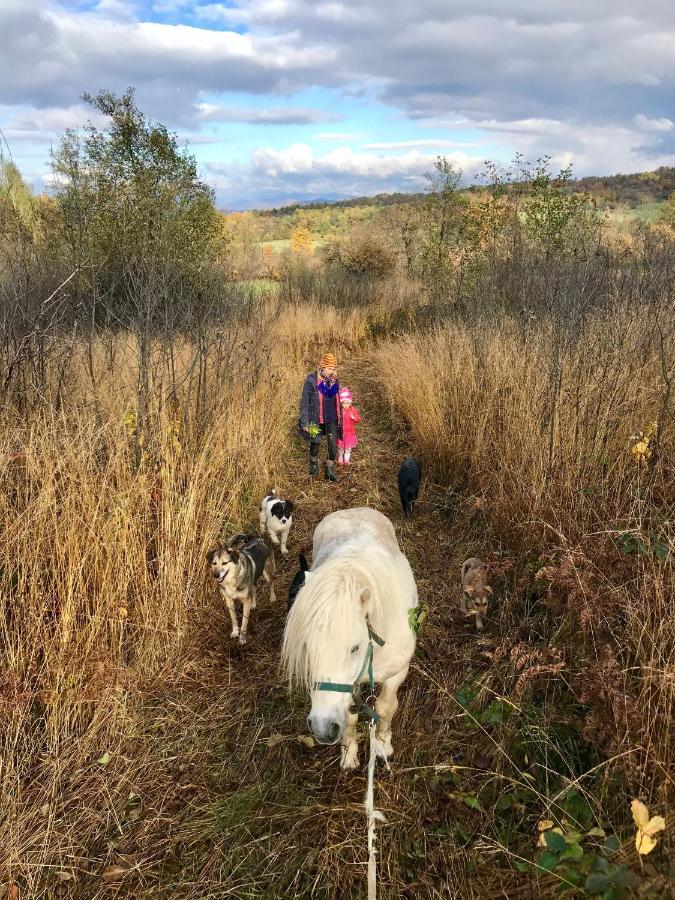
[286,100]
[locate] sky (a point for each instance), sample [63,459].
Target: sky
[292,100]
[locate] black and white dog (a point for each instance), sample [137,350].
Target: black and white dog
[298,581]
[409,477]
[276,518]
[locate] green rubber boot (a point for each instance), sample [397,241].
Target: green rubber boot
[330,471]
[313,465]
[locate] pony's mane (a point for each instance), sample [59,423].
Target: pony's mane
[328,607]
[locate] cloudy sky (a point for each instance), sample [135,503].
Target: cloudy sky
[284,100]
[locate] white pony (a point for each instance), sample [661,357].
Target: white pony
[358,592]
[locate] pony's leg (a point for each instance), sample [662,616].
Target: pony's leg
[268,575]
[233,616]
[284,541]
[386,706]
[262,522]
[350,746]
[249,603]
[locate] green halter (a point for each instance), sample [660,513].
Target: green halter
[361,708]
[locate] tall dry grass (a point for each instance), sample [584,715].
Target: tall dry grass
[104,599]
[532,427]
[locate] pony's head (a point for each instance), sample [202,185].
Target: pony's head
[326,636]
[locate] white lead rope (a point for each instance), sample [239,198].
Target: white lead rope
[374,815]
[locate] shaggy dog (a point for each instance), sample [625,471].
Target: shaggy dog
[409,477]
[276,518]
[237,569]
[475,590]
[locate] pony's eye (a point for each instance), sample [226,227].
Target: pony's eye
[355,648]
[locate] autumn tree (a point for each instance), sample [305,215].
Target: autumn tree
[301,239]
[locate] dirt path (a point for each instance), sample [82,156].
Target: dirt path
[259,813]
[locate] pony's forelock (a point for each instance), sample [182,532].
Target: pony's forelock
[332,603]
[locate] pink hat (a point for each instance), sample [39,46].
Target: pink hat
[345,394]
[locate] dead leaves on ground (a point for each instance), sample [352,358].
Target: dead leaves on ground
[276,739]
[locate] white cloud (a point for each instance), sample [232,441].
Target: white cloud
[439,143]
[297,172]
[276,115]
[660,125]
[338,136]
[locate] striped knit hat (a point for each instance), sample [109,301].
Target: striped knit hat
[328,361]
[345,394]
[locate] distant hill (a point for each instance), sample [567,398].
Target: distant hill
[631,190]
[375,200]
[612,190]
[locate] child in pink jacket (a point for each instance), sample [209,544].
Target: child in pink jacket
[350,419]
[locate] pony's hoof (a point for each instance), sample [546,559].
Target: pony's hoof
[234,633]
[284,551]
[242,639]
[350,757]
[383,748]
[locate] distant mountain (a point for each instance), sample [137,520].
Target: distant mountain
[612,190]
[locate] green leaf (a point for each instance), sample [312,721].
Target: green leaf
[661,551]
[496,713]
[612,843]
[471,801]
[522,866]
[596,882]
[505,802]
[548,861]
[596,832]
[105,759]
[466,695]
[573,851]
[625,877]
[555,842]
[614,893]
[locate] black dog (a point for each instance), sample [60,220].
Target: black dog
[298,581]
[409,477]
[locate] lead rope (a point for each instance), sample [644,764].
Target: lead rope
[374,815]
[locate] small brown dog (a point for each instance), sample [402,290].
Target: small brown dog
[237,570]
[476,591]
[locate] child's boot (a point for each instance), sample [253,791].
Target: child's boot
[341,457]
[313,465]
[330,471]
[348,457]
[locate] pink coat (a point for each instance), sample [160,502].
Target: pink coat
[350,419]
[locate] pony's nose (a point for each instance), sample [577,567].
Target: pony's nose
[326,732]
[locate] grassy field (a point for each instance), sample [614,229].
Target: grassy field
[645,213]
[147,755]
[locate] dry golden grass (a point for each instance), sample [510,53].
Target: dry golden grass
[133,734]
[534,438]
[102,569]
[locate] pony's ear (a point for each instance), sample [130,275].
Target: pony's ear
[365,599]
[488,589]
[289,507]
[210,555]
[234,554]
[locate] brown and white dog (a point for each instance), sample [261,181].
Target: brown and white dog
[476,591]
[237,569]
